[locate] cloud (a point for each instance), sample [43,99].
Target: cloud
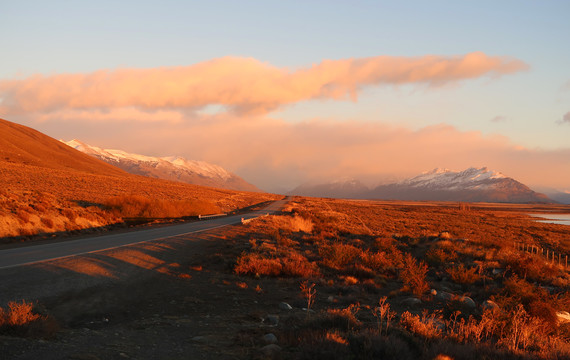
[276,154]
[499,119]
[565,119]
[242,85]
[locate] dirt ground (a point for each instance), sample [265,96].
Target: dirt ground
[169,299]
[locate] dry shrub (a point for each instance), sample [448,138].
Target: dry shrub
[21,320]
[428,326]
[48,222]
[381,260]
[413,274]
[342,318]
[473,330]
[338,255]
[289,263]
[23,216]
[299,223]
[462,275]
[257,264]
[134,206]
[20,314]
[531,267]
[439,256]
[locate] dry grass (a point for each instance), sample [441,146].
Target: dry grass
[20,319]
[36,200]
[365,250]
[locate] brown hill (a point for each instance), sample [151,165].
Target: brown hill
[46,186]
[23,145]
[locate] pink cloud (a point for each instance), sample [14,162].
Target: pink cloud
[275,154]
[243,85]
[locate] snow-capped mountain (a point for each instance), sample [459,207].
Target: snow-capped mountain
[169,168]
[473,184]
[343,188]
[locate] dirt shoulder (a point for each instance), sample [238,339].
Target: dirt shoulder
[171,299]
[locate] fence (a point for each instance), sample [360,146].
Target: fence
[550,255]
[210,216]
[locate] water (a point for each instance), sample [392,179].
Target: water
[562,219]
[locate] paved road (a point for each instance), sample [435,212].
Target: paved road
[37,253]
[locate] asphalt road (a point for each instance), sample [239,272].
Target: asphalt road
[38,253]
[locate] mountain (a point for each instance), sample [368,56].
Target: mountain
[558,196]
[169,168]
[23,145]
[345,189]
[473,185]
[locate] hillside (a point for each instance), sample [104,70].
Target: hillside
[168,168]
[46,187]
[25,146]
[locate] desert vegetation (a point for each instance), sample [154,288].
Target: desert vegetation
[36,200]
[381,280]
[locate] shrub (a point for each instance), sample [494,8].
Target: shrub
[338,255]
[289,264]
[428,326]
[48,222]
[462,275]
[134,206]
[413,274]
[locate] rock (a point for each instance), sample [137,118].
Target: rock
[270,338]
[497,271]
[270,350]
[444,295]
[412,301]
[563,316]
[467,301]
[272,320]
[489,305]
[330,299]
[285,306]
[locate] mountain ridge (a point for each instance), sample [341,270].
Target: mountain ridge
[471,185]
[174,168]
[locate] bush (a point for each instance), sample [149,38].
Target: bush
[338,255]
[462,275]
[413,274]
[289,264]
[134,206]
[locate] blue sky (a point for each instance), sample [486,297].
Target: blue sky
[526,108]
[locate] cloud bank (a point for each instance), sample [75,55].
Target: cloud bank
[163,111]
[242,85]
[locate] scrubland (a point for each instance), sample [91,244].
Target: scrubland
[360,279]
[414,281]
[36,200]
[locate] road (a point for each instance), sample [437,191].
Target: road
[38,253]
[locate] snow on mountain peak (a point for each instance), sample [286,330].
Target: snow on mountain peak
[201,168]
[449,179]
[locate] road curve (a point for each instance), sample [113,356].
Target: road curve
[38,253]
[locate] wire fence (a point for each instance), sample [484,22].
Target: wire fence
[549,254]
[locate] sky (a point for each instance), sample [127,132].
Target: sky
[289,92]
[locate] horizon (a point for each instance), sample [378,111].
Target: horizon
[283,94]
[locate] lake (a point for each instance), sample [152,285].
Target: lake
[562,219]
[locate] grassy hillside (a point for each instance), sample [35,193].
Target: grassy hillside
[46,186]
